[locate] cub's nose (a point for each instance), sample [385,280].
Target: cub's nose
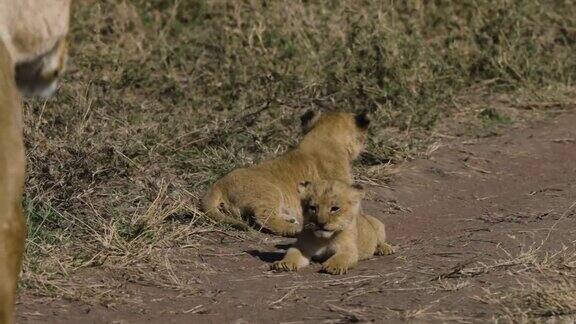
[321,225]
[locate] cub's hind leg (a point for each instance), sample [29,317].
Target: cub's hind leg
[382,247]
[268,209]
[271,216]
[219,209]
[253,197]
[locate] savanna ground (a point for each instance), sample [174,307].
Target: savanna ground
[163,97]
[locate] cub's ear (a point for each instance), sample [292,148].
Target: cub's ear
[309,119]
[303,188]
[358,190]
[362,120]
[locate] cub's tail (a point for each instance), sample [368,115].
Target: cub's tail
[218,209]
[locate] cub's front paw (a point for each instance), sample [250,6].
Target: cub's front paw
[334,267]
[284,265]
[384,249]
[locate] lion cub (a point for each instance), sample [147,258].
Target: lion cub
[335,232]
[267,195]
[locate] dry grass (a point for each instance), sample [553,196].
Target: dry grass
[537,300]
[163,97]
[541,286]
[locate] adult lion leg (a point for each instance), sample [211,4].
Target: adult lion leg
[12,226]
[11,249]
[29,30]
[12,165]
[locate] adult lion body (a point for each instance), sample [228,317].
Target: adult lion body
[267,193]
[32,57]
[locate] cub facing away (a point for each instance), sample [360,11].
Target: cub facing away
[267,194]
[335,232]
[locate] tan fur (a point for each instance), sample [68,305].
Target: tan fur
[335,233]
[267,193]
[32,51]
[33,33]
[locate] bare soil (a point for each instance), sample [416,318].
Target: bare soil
[467,223]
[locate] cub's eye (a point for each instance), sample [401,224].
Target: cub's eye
[312,209]
[334,209]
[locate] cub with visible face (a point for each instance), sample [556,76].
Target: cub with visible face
[267,195]
[335,232]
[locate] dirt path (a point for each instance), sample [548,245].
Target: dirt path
[471,224]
